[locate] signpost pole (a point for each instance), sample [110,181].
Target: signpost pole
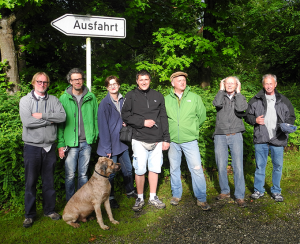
[88,64]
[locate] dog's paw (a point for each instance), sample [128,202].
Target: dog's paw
[104,227]
[115,222]
[75,225]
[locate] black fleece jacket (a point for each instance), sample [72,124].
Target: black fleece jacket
[140,105]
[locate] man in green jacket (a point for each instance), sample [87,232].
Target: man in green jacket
[79,131]
[186,112]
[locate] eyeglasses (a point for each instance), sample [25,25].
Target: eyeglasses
[79,80]
[42,82]
[113,85]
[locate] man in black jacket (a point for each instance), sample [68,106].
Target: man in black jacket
[266,111]
[144,110]
[228,134]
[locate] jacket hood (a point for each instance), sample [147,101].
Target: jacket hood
[70,88]
[262,92]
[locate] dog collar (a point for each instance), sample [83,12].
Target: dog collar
[101,175]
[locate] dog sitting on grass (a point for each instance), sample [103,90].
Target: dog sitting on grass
[90,196]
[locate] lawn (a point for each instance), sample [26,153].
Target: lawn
[139,227]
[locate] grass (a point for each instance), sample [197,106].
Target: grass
[147,225]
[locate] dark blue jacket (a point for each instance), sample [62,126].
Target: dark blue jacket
[109,125]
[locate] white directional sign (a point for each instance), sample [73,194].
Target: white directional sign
[90,26]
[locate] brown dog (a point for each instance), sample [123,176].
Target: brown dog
[90,196]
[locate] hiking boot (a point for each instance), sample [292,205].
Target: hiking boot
[113,203]
[139,204]
[175,201]
[223,196]
[203,205]
[257,195]
[277,197]
[241,203]
[28,222]
[132,194]
[157,203]
[53,216]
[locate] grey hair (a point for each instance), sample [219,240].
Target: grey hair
[269,76]
[234,77]
[75,71]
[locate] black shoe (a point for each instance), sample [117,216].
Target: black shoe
[132,194]
[113,203]
[28,222]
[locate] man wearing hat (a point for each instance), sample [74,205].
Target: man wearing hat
[268,110]
[186,112]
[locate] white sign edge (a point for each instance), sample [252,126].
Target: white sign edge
[87,16]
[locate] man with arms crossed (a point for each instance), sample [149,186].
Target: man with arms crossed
[267,110]
[79,131]
[186,112]
[228,133]
[144,110]
[40,113]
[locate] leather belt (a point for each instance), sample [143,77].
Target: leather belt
[230,134]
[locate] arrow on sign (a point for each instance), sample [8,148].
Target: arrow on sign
[91,26]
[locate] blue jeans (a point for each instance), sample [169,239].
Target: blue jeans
[39,162]
[192,155]
[235,144]
[126,168]
[77,156]
[261,158]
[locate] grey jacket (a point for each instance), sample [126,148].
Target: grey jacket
[40,132]
[285,114]
[227,121]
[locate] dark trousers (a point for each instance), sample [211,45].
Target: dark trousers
[39,162]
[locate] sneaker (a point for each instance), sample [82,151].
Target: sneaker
[277,197]
[175,201]
[139,204]
[241,203]
[53,216]
[203,205]
[257,195]
[132,194]
[28,222]
[223,196]
[157,203]
[113,203]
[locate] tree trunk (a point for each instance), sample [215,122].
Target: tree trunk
[209,20]
[8,51]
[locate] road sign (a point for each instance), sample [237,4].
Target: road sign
[90,26]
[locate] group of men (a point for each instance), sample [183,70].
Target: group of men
[171,123]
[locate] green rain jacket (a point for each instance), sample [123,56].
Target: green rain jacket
[68,131]
[185,116]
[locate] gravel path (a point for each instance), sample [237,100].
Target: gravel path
[225,223]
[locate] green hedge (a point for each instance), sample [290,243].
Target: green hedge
[11,145]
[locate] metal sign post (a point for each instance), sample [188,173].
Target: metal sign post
[90,26]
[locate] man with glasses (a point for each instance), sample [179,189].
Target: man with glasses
[40,113]
[79,131]
[110,123]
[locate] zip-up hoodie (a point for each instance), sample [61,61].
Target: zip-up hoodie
[143,105]
[285,114]
[227,122]
[40,132]
[186,117]
[109,124]
[68,131]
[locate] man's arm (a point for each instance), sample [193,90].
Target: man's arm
[219,98]
[134,120]
[250,118]
[201,111]
[104,135]
[27,119]
[164,123]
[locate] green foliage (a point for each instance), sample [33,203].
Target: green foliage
[4,84]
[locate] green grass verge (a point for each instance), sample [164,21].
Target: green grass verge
[138,227]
